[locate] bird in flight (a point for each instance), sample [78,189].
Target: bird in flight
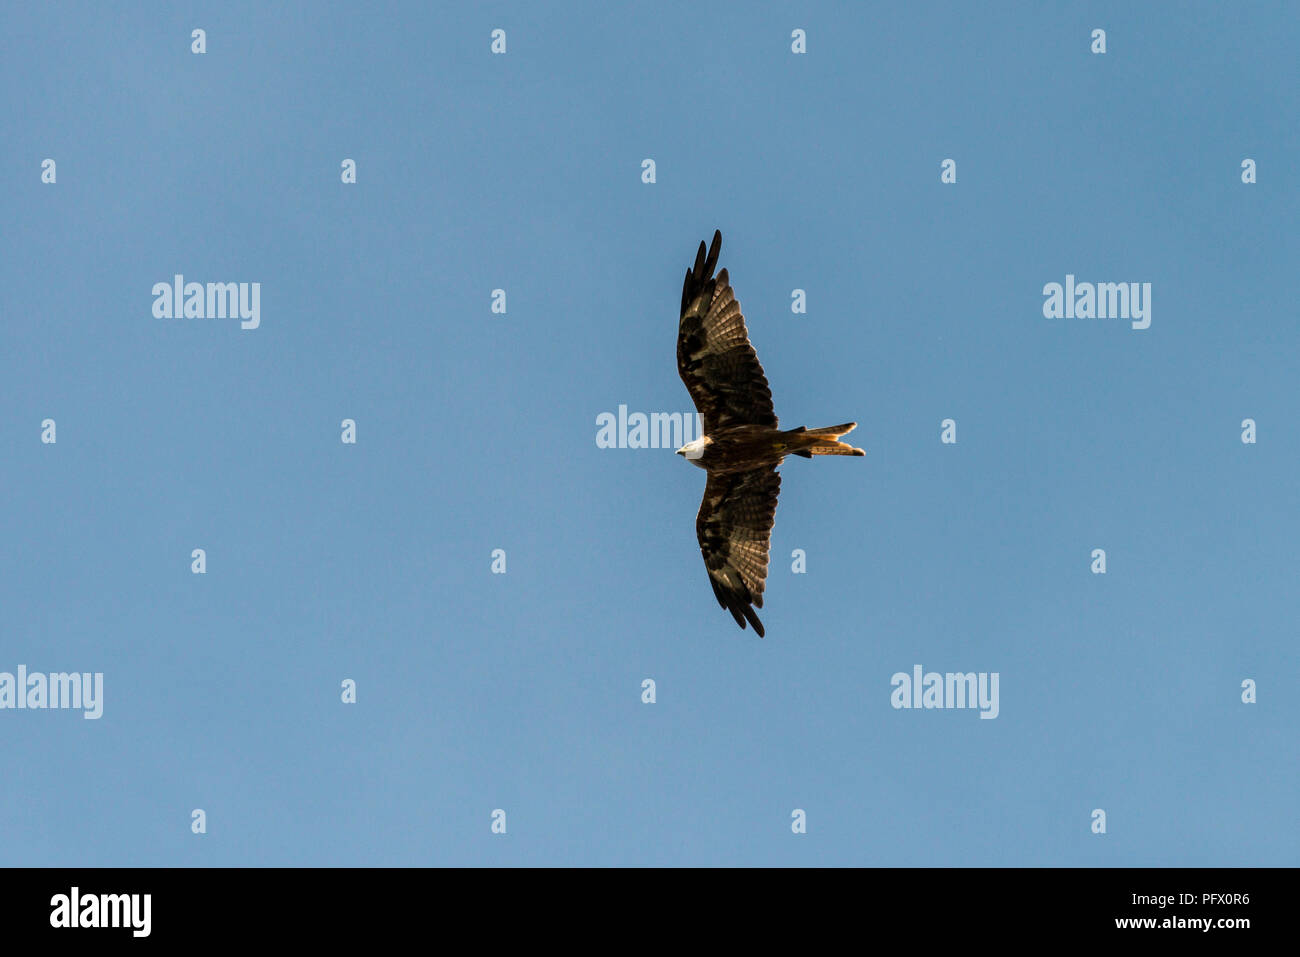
[741,445]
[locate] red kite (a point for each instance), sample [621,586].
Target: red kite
[741,445]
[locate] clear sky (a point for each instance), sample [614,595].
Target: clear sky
[476,431]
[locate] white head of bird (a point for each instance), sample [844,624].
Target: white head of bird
[694,451]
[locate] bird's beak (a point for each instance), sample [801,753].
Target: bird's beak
[681,451]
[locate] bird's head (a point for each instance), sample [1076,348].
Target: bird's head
[693,451]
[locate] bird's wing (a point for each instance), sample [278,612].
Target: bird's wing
[735,530]
[714,355]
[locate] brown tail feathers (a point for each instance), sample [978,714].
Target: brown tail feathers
[810,442]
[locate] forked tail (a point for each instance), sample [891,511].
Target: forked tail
[810,442]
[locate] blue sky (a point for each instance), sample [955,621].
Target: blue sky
[476,431]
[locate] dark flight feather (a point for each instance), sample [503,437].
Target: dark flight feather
[734,527]
[714,355]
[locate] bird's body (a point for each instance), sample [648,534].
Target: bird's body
[739,448]
[742,444]
[736,448]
